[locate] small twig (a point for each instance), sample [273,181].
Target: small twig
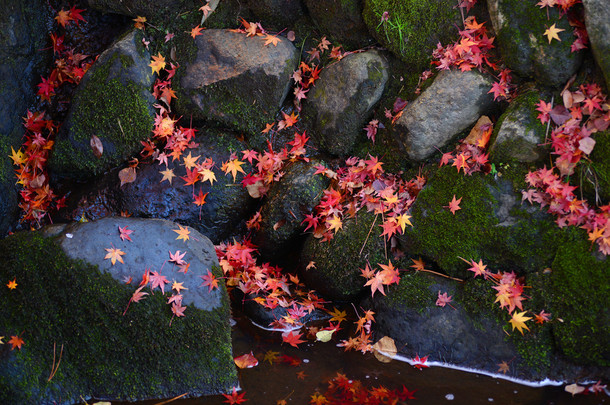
[367,236]
[120,126]
[548,124]
[172,399]
[55,367]
[440,274]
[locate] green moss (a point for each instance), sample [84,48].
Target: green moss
[413,28]
[579,294]
[116,111]
[413,291]
[60,301]
[595,173]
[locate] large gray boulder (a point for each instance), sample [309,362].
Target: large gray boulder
[342,100]
[453,102]
[22,40]
[524,48]
[75,313]
[113,102]
[597,15]
[236,80]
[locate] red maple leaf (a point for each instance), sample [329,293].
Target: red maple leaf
[124,233]
[292,339]
[209,280]
[157,280]
[454,205]
[16,342]
[420,362]
[234,397]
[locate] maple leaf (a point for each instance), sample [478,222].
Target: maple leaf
[418,265]
[233,166]
[271,39]
[234,397]
[271,356]
[17,157]
[420,362]
[207,175]
[16,342]
[178,287]
[503,367]
[196,31]
[75,14]
[335,223]
[63,17]
[158,280]
[376,283]
[317,399]
[168,175]
[443,299]
[292,339]
[138,295]
[338,316]
[551,33]
[46,89]
[124,233]
[183,233]
[454,205]
[206,9]
[178,310]
[139,22]
[518,321]
[200,199]
[177,257]
[157,63]
[114,254]
[209,280]
[542,317]
[12,284]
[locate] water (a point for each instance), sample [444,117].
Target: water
[320,362]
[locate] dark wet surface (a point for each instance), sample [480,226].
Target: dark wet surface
[269,383]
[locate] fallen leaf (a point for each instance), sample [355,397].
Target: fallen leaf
[518,321]
[503,367]
[551,33]
[96,146]
[183,233]
[127,175]
[454,205]
[12,284]
[16,342]
[386,345]
[114,254]
[246,360]
[574,389]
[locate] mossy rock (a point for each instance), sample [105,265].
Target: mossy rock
[338,262]
[520,27]
[579,294]
[70,315]
[597,15]
[156,11]
[235,81]
[113,102]
[518,135]
[492,224]
[413,28]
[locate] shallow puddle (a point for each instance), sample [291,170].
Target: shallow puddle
[270,382]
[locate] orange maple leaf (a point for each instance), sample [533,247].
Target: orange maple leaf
[63,17]
[183,233]
[16,341]
[196,31]
[114,254]
[12,284]
[271,39]
[334,223]
[233,166]
[200,199]
[157,63]
[139,22]
[454,205]
[317,399]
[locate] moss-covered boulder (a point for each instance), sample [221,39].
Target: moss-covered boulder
[113,102]
[288,201]
[453,102]
[413,27]
[341,20]
[235,80]
[492,224]
[597,15]
[518,135]
[520,27]
[342,100]
[24,58]
[337,263]
[579,294]
[72,317]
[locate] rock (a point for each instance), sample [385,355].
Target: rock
[493,225]
[65,301]
[24,36]
[414,27]
[341,20]
[236,80]
[280,14]
[597,15]
[288,201]
[525,49]
[342,100]
[452,334]
[226,204]
[154,10]
[113,102]
[596,174]
[336,269]
[519,134]
[453,102]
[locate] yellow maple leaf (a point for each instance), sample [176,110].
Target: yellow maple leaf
[233,166]
[139,22]
[207,175]
[403,221]
[168,175]
[114,254]
[158,63]
[183,233]
[190,161]
[338,316]
[271,39]
[18,157]
[551,33]
[335,223]
[271,356]
[518,321]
